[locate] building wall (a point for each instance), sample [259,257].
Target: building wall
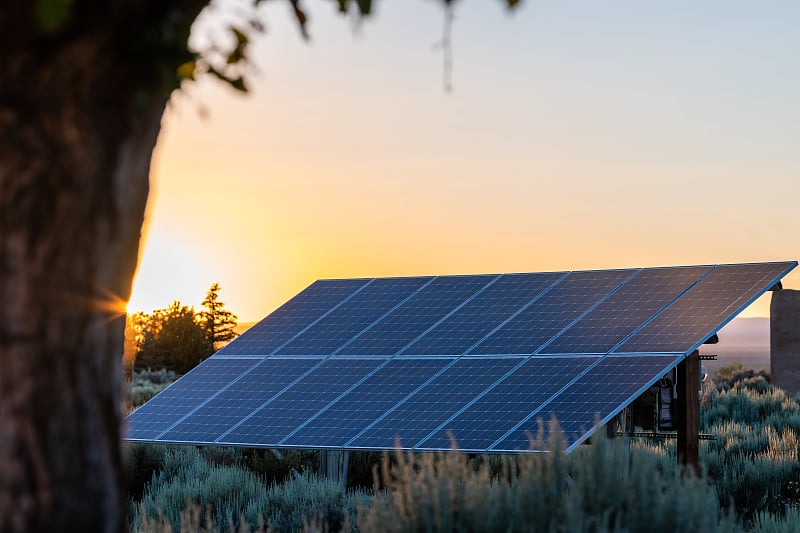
[785,339]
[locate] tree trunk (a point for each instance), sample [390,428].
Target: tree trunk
[78,122]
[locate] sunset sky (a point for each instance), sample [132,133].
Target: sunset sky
[579,135]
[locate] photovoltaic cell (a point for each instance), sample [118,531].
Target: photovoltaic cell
[399,358]
[704,308]
[239,400]
[292,317]
[437,401]
[509,402]
[177,400]
[614,319]
[366,402]
[351,317]
[603,390]
[482,314]
[412,318]
[536,325]
[287,411]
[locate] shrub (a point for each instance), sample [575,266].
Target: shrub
[770,523]
[731,374]
[160,376]
[145,384]
[187,478]
[146,461]
[306,499]
[190,487]
[602,487]
[752,468]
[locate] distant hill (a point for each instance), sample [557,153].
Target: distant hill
[241,327]
[745,340]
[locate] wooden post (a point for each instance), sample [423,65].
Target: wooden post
[333,465]
[687,412]
[323,463]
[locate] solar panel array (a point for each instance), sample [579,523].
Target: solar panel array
[426,362]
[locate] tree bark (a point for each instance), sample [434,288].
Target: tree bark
[79,117]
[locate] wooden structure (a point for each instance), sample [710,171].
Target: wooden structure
[687,412]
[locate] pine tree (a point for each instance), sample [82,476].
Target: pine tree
[171,338]
[217,322]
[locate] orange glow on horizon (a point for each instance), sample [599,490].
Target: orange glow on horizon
[559,149]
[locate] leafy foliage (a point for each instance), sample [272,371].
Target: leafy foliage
[225,54]
[177,338]
[170,338]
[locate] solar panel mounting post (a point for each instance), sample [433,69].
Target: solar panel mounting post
[333,465]
[687,416]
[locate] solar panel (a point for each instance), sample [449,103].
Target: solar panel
[414,317]
[496,410]
[358,408]
[293,317]
[706,307]
[555,310]
[345,322]
[420,414]
[359,363]
[285,412]
[591,399]
[214,417]
[470,324]
[618,316]
[177,400]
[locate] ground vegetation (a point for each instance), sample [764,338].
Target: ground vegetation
[750,481]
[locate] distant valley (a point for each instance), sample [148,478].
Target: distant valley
[745,340]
